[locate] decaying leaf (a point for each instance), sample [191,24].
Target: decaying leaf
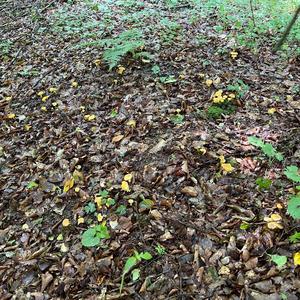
[69,183]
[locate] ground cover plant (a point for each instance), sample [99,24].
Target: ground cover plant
[149,150]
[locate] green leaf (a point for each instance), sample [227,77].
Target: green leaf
[89,238]
[130,263]
[279,260]
[253,140]
[244,226]
[32,185]
[110,202]
[294,207]
[295,238]
[177,119]
[146,204]
[102,231]
[292,173]
[121,210]
[135,273]
[90,208]
[263,183]
[145,255]
[103,193]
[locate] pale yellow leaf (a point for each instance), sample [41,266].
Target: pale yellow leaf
[77,189]
[297,258]
[227,167]
[27,127]
[276,217]
[97,62]
[233,54]
[52,90]
[125,186]
[271,111]
[54,104]
[41,93]
[208,82]
[128,177]
[66,222]
[8,98]
[11,116]
[45,98]
[99,217]
[69,183]
[64,248]
[80,220]
[131,123]
[222,159]
[89,118]
[74,84]
[274,225]
[117,138]
[121,70]
[44,108]
[98,200]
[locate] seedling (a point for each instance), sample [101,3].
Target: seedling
[263,183]
[93,236]
[161,250]
[177,119]
[131,262]
[167,79]
[279,260]
[292,173]
[90,208]
[240,88]
[266,148]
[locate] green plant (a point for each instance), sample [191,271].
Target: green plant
[240,88]
[90,208]
[292,173]
[295,238]
[32,185]
[129,41]
[155,69]
[215,111]
[263,183]
[131,262]
[266,148]
[167,79]
[93,236]
[121,210]
[279,260]
[294,206]
[161,250]
[177,119]
[5,47]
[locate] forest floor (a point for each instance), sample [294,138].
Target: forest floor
[138,152]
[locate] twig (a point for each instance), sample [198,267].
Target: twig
[252,12]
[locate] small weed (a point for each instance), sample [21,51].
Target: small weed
[240,88]
[161,250]
[215,111]
[266,148]
[177,119]
[295,238]
[263,183]
[131,262]
[167,79]
[93,236]
[90,208]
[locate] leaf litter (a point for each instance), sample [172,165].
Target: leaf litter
[109,174]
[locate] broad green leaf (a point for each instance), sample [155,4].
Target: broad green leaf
[279,260]
[121,210]
[253,140]
[135,274]
[294,206]
[89,238]
[102,231]
[292,173]
[90,208]
[145,255]
[130,263]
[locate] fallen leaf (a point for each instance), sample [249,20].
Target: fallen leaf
[128,177]
[121,70]
[99,217]
[271,111]
[89,118]
[66,222]
[227,167]
[69,183]
[11,116]
[117,138]
[208,82]
[190,191]
[64,248]
[297,258]
[97,62]
[74,84]
[41,93]
[52,90]
[125,186]
[45,98]
[44,108]
[131,123]
[80,220]
[233,54]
